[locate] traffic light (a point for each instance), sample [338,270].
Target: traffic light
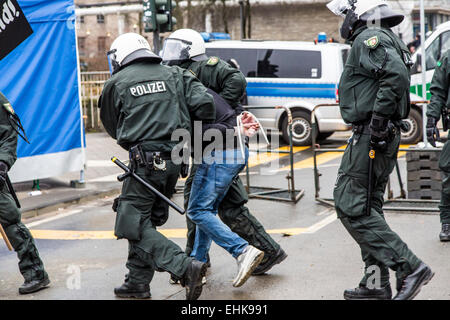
[158,15]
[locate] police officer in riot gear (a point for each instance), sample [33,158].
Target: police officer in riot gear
[440,105]
[141,105]
[30,264]
[374,97]
[186,48]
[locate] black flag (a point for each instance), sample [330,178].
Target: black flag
[14,27]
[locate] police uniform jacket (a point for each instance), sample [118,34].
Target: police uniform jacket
[376,77]
[146,102]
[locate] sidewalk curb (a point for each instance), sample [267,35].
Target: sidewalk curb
[34,211]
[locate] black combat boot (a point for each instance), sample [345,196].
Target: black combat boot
[445,233]
[131,290]
[411,285]
[268,263]
[192,279]
[364,293]
[30,286]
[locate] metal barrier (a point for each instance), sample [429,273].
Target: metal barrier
[278,194]
[91,89]
[391,203]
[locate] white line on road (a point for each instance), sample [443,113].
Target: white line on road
[57,217]
[321,224]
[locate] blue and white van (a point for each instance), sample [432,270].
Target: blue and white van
[297,75]
[435,46]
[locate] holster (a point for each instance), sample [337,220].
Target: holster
[151,160]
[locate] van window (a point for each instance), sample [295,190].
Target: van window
[345,54]
[432,54]
[289,64]
[246,58]
[445,42]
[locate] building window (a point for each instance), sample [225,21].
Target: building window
[82,46]
[101,44]
[80,19]
[100,18]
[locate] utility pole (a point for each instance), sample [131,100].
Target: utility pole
[241,10]
[424,71]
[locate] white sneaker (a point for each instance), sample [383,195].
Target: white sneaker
[249,259]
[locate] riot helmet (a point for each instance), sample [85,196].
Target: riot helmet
[128,48]
[183,45]
[371,12]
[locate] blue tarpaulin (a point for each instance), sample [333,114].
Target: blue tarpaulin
[40,78]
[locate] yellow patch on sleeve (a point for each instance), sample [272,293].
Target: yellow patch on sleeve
[213,61]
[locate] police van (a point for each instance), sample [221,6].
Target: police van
[435,46]
[297,75]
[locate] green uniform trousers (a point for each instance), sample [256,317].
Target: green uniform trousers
[444,165]
[139,212]
[30,264]
[380,246]
[236,216]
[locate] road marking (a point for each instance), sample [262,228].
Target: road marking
[57,217]
[321,159]
[261,158]
[327,157]
[169,233]
[402,153]
[321,224]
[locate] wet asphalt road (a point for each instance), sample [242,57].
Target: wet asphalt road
[323,260]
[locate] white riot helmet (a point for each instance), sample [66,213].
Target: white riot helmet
[127,48]
[182,45]
[369,11]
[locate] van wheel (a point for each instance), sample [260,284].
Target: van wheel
[414,134]
[301,128]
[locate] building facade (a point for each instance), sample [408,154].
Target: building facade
[100,22]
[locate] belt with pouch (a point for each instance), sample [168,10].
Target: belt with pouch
[393,127]
[152,160]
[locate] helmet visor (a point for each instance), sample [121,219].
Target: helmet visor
[112,62]
[339,7]
[175,50]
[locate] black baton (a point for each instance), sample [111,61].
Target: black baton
[12,191]
[370,187]
[129,173]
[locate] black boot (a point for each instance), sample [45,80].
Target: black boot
[445,233]
[364,293]
[412,284]
[131,290]
[192,279]
[30,286]
[266,265]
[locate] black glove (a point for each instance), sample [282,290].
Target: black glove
[184,170]
[379,132]
[432,131]
[3,173]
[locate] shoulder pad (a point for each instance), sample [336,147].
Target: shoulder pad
[9,109]
[213,61]
[372,43]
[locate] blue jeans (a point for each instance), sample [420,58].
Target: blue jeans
[211,183]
